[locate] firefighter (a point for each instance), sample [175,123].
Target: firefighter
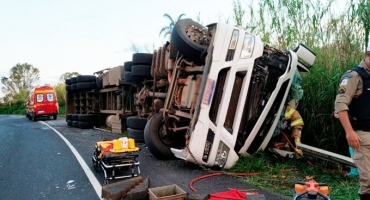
[291,127]
[294,126]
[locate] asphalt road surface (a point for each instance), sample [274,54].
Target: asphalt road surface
[49,160]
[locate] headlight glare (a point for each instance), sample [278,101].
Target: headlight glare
[234,40]
[248,46]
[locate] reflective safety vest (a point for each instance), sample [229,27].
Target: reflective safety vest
[294,116]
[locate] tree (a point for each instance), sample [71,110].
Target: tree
[68,75]
[168,29]
[21,96]
[21,76]
[60,90]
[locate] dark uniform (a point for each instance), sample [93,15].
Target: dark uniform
[354,87]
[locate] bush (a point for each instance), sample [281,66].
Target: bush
[17,108]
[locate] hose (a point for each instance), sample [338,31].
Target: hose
[293,147]
[219,174]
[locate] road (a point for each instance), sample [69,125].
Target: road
[37,164]
[49,160]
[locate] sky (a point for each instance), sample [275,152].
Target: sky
[85,36]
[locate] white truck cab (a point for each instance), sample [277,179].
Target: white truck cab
[227,90]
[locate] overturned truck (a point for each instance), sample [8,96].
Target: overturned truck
[208,96]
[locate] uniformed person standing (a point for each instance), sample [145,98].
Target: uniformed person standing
[352,107]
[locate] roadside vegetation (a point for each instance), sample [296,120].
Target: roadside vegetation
[22,78]
[279,175]
[336,30]
[339,38]
[19,108]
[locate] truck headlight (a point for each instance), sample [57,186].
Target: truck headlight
[248,46]
[234,40]
[222,154]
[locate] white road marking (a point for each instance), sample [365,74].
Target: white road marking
[71,184]
[94,182]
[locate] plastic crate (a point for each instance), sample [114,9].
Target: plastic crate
[169,192]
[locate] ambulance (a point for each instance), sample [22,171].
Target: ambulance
[42,102]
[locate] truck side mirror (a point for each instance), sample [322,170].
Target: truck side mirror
[306,57]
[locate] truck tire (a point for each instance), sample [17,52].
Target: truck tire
[136,134]
[99,82]
[69,122]
[153,140]
[86,125]
[68,81]
[86,117]
[75,117]
[75,124]
[68,87]
[86,85]
[74,86]
[185,37]
[86,78]
[130,78]
[73,80]
[141,70]
[136,122]
[142,58]
[127,66]
[69,117]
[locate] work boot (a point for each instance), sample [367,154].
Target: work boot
[364,196]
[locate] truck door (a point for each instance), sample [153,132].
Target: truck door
[49,102]
[45,102]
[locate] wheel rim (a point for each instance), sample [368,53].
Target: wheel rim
[165,138]
[170,138]
[196,34]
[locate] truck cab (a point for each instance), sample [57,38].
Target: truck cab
[42,102]
[226,92]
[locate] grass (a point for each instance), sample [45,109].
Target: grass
[279,175]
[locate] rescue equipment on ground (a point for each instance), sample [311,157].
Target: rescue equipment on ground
[234,194]
[310,190]
[117,158]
